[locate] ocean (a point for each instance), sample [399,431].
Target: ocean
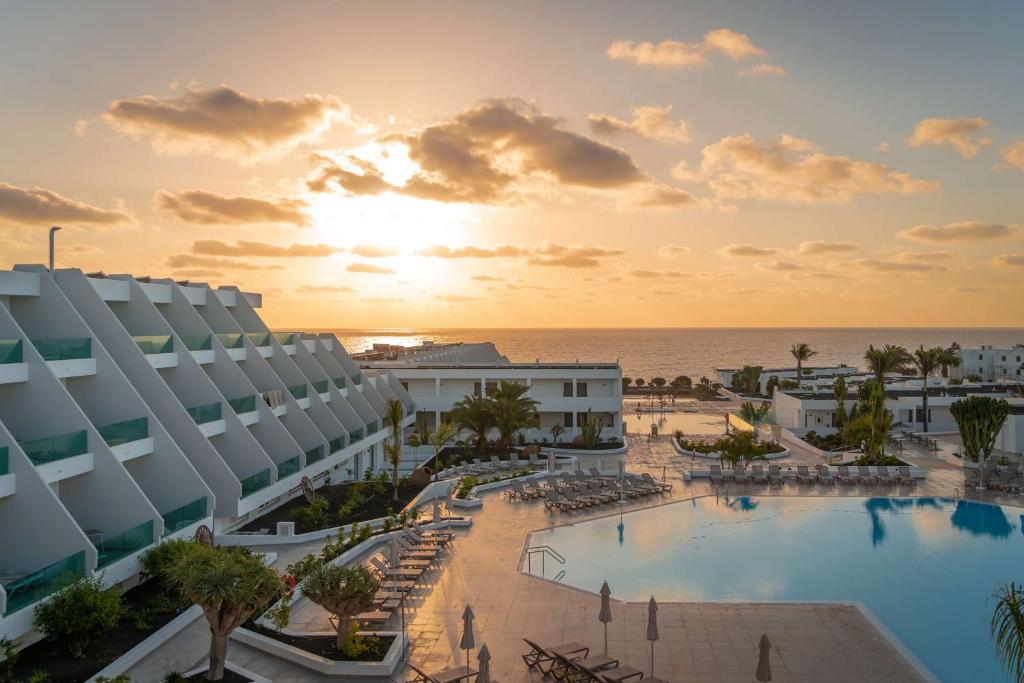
[667,352]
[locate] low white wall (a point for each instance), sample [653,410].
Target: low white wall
[715,456]
[916,472]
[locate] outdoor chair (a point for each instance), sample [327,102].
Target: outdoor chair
[906,477]
[865,475]
[885,477]
[825,475]
[648,479]
[758,475]
[539,656]
[804,476]
[845,477]
[716,473]
[775,475]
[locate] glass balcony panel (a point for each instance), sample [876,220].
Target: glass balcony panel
[125,543]
[54,448]
[198,342]
[288,467]
[320,387]
[124,432]
[357,379]
[243,404]
[64,349]
[336,444]
[372,428]
[355,435]
[205,413]
[314,454]
[5,463]
[10,351]
[155,343]
[339,382]
[231,341]
[256,482]
[179,518]
[259,338]
[285,338]
[31,588]
[299,391]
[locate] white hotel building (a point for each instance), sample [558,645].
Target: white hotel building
[991,364]
[133,410]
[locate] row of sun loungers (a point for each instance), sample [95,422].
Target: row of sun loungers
[848,475]
[1006,480]
[573,663]
[572,491]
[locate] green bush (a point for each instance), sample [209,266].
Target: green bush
[9,653]
[159,559]
[466,485]
[316,515]
[79,613]
[174,677]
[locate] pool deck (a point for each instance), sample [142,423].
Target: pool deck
[700,642]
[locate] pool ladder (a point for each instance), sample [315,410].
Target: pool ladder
[544,551]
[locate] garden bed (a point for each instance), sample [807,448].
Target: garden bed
[602,446]
[373,648]
[148,607]
[229,677]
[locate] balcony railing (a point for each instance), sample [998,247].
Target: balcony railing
[299,391]
[314,454]
[155,343]
[288,467]
[232,340]
[357,378]
[256,482]
[64,349]
[336,444]
[321,386]
[118,433]
[340,382]
[355,435]
[198,342]
[125,543]
[54,448]
[32,588]
[410,408]
[10,351]
[372,427]
[5,463]
[285,338]
[259,338]
[243,404]
[179,518]
[209,412]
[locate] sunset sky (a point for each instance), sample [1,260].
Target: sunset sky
[590,164]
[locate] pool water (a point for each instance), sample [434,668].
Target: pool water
[926,567]
[668,423]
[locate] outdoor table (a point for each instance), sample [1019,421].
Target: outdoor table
[453,675]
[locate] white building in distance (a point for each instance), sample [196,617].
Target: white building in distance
[990,364]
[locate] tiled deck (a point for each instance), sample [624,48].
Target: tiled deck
[702,642]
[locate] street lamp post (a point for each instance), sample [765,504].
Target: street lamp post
[53,231]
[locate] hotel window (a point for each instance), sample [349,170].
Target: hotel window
[567,420]
[581,388]
[476,388]
[491,386]
[405,385]
[567,389]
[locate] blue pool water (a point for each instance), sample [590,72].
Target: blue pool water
[926,567]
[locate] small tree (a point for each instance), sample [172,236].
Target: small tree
[440,438]
[626,381]
[590,431]
[342,591]
[79,613]
[658,382]
[979,419]
[839,391]
[556,432]
[640,382]
[394,413]
[229,584]
[1007,628]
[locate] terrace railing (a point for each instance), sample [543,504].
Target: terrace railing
[259,338]
[299,391]
[336,444]
[54,448]
[123,544]
[64,349]
[232,340]
[314,454]
[243,404]
[127,431]
[355,435]
[179,518]
[340,382]
[357,378]
[288,467]
[209,412]
[198,342]
[155,343]
[5,463]
[321,386]
[31,588]
[285,338]
[10,351]
[256,482]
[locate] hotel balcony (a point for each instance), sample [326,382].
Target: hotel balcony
[28,589]
[201,347]
[275,399]
[357,378]
[6,476]
[314,455]
[70,357]
[159,350]
[234,343]
[355,435]
[113,548]
[301,394]
[245,408]
[287,341]
[184,516]
[288,467]
[261,340]
[336,444]
[372,427]
[59,457]
[340,382]
[209,418]
[128,439]
[256,482]
[323,388]
[13,367]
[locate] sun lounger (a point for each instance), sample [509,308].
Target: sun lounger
[906,477]
[845,477]
[458,673]
[421,552]
[885,477]
[865,475]
[775,475]
[499,464]
[515,490]
[395,573]
[401,585]
[623,490]
[554,501]
[740,475]
[758,475]
[644,489]
[597,492]
[717,474]
[430,535]
[596,474]
[804,476]
[543,658]
[651,481]
[825,475]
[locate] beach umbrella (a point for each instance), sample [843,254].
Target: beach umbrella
[551,461]
[484,657]
[448,500]
[605,615]
[622,470]
[437,510]
[652,628]
[467,643]
[764,668]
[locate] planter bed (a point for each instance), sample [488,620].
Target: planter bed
[603,446]
[52,658]
[229,677]
[374,507]
[292,647]
[323,646]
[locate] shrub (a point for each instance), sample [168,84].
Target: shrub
[10,656]
[38,677]
[313,516]
[174,677]
[466,485]
[158,560]
[79,613]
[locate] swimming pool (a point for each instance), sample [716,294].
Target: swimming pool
[926,567]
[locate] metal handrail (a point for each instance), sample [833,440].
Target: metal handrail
[544,551]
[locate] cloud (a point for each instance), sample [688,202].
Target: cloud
[764,70]
[545,254]
[967,289]
[778,266]
[38,206]
[959,133]
[243,248]
[665,196]
[652,274]
[882,147]
[1014,260]
[653,123]
[487,278]
[316,289]
[210,262]
[457,298]
[81,249]
[383,300]
[796,170]
[225,122]
[1012,155]
[482,155]
[197,272]
[211,208]
[375,251]
[960,232]
[358,267]
[670,250]
[895,266]
[923,256]
[745,250]
[673,54]
[821,247]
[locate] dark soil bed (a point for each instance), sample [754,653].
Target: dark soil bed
[229,677]
[603,446]
[374,506]
[374,647]
[148,607]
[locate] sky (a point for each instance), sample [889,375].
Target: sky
[531,164]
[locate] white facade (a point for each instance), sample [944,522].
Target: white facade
[991,364]
[136,410]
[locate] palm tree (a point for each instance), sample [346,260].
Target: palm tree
[513,410]
[440,438]
[801,352]
[926,361]
[474,414]
[839,391]
[556,432]
[344,591]
[1007,628]
[949,358]
[394,413]
[229,584]
[887,359]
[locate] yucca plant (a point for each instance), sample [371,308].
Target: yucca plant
[1007,628]
[344,591]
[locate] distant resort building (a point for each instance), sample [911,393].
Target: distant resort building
[137,409]
[809,375]
[989,364]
